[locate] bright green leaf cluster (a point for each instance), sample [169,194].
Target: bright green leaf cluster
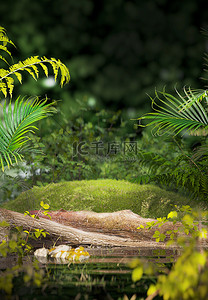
[29,65]
[18,243]
[188,277]
[186,280]
[16,124]
[18,121]
[179,114]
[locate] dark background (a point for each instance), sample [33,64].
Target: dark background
[117,51]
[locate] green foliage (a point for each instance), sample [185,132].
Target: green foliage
[163,161]
[63,162]
[187,279]
[17,243]
[10,186]
[136,46]
[18,121]
[181,171]
[180,115]
[101,196]
[29,65]
[185,113]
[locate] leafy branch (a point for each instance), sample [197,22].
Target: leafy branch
[29,65]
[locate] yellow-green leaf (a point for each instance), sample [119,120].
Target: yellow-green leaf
[12,244]
[152,289]
[203,233]
[187,219]
[172,215]
[137,273]
[4,224]
[43,205]
[37,234]
[140,227]
[134,263]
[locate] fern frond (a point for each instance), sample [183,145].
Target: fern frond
[4,40]
[17,123]
[19,76]
[201,151]
[2,58]
[31,66]
[177,173]
[6,50]
[3,88]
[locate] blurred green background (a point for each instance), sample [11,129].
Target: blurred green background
[117,51]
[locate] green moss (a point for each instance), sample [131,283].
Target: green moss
[101,196]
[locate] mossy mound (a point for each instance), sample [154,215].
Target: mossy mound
[101,196]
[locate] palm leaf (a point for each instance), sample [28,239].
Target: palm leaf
[16,124]
[177,114]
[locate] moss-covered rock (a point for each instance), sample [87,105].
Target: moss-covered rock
[101,196]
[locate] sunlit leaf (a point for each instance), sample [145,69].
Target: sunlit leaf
[172,215]
[152,289]
[137,273]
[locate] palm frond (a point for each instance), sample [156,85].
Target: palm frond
[177,114]
[17,122]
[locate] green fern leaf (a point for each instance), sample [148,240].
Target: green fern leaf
[3,88]
[35,69]
[30,65]
[4,39]
[45,69]
[55,68]
[3,48]
[19,76]
[2,58]
[31,73]
[10,84]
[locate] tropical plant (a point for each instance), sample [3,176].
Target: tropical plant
[17,122]
[18,119]
[182,172]
[181,115]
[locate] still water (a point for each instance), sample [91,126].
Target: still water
[105,275]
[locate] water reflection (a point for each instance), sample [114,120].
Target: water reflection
[106,275]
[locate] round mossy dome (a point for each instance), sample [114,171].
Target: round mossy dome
[104,195]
